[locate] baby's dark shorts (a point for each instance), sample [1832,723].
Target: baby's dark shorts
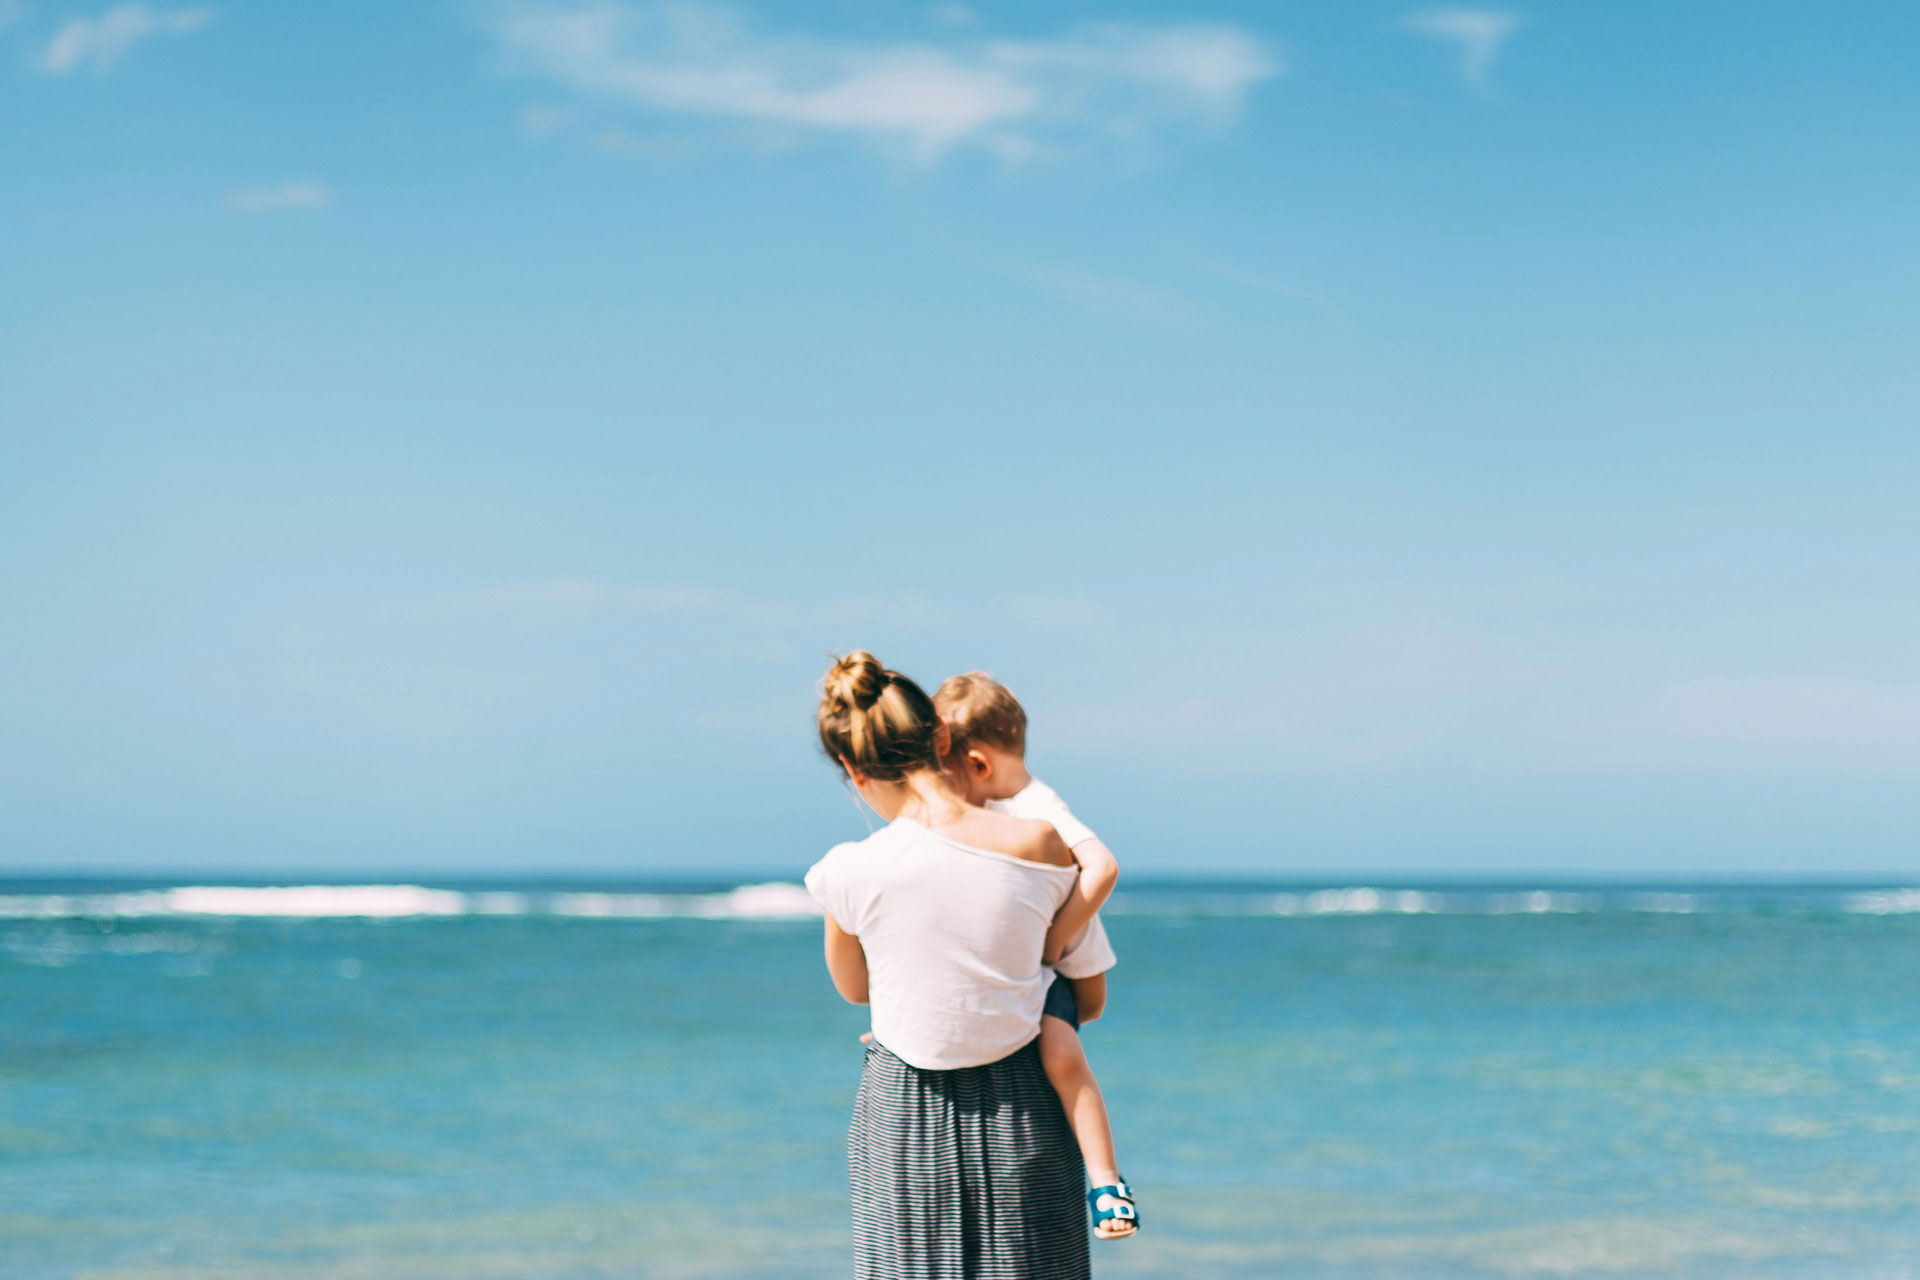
[1061,1004]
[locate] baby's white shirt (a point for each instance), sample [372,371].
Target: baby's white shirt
[1089,953]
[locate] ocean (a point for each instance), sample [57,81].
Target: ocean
[541,1080]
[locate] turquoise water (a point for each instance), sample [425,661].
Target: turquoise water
[537,1081]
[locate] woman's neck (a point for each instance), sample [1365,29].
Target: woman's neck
[925,797]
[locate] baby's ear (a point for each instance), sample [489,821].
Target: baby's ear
[978,765]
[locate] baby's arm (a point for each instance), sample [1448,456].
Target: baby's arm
[1099,872]
[847,963]
[1090,996]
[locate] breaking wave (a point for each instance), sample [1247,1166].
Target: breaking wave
[1885,902]
[780,900]
[398,901]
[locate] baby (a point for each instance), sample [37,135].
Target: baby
[987,762]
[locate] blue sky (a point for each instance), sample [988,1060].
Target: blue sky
[1370,437]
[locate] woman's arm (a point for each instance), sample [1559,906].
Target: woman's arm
[1099,872]
[847,963]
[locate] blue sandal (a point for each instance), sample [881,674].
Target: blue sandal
[1114,1215]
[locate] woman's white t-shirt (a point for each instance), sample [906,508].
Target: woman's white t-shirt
[952,936]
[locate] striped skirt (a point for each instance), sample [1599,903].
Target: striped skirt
[965,1175]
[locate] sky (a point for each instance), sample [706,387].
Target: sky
[1370,438]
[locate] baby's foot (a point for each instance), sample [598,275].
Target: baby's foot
[1114,1215]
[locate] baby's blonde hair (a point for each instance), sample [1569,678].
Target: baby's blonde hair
[978,708]
[876,722]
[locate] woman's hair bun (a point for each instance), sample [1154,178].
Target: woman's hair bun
[876,722]
[856,681]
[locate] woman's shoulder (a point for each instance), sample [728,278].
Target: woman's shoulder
[885,840]
[850,870]
[1028,839]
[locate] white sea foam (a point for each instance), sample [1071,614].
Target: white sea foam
[622,906]
[305,901]
[1357,902]
[1366,901]
[777,901]
[1669,903]
[316,901]
[1885,902]
[1540,902]
[780,900]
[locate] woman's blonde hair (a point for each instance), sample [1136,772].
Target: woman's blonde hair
[876,722]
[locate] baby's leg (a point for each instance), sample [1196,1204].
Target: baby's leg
[1072,1078]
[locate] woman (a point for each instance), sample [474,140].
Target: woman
[963,1167]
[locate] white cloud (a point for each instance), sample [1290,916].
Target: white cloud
[287,197]
[1477,34]
[100,43]
[1206,66]
[700,60]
